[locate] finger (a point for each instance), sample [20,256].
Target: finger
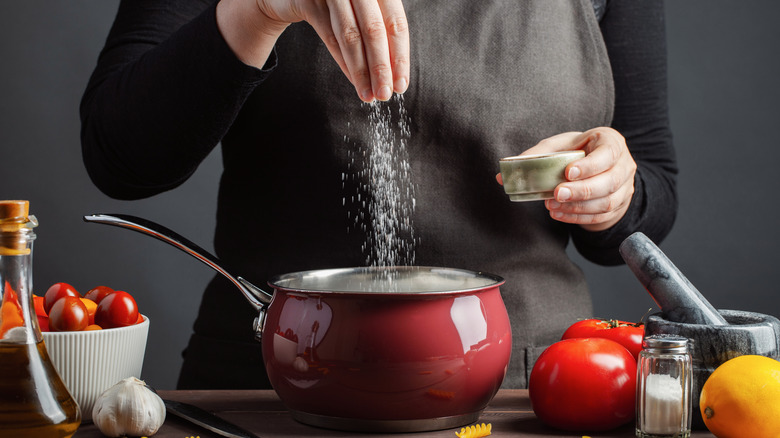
[602,153]
[604,204]
[398,38]
[375,46]
[582,218]
[590,222]
[599,186]
[603,210]
[348,33]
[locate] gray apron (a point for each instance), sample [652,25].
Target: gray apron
[489,79]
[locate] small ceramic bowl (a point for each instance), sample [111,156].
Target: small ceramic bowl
[534,177]
[89,362]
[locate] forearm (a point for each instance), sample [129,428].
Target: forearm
[166,89]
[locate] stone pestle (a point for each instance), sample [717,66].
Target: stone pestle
[677,298]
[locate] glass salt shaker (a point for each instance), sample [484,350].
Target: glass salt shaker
[663,388]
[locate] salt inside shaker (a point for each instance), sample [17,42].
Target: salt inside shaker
[664,384]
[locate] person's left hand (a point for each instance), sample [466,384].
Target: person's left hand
[599,186]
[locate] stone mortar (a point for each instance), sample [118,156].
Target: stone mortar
[748,333]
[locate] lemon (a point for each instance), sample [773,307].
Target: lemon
[742,398]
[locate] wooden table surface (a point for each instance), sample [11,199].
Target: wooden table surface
[262,413]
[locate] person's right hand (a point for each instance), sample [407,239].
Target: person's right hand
[369,39]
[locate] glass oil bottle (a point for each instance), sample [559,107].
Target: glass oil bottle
[34,402]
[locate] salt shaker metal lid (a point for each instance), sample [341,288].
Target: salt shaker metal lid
[665,344]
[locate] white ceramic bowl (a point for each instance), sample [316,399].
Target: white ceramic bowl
[89,362]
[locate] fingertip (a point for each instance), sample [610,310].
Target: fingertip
[400,85]
[574,173]
[366,95]
[384,93]
[563,194]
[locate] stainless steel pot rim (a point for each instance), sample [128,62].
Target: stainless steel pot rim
[393,280]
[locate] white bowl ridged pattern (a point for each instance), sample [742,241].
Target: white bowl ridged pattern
[89,362]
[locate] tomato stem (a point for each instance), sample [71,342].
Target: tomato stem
[642,319]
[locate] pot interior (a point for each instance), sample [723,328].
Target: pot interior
[404,280]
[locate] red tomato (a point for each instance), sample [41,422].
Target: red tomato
[584,384]
[68,314]
[98,293]
[627,334]
[117,309]
[57,291]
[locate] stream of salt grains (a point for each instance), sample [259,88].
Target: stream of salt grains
[385,196]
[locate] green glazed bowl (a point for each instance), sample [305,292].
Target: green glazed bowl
[534,177]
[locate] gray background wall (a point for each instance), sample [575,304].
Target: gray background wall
[725,110]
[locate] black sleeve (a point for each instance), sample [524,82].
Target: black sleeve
[165,90]
[634,32]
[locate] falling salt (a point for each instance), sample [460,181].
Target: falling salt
[386,190]
[392,193]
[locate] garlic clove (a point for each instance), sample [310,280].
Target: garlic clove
[129,408]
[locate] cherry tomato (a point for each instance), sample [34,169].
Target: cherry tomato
[93,327]
[584,384]
[68,314]
[627,334]
[97,293]
[57,291]
[117,309]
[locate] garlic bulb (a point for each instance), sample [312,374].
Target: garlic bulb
[129,408]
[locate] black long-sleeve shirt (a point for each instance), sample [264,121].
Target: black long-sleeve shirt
[489,79]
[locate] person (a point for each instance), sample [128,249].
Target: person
[275,83]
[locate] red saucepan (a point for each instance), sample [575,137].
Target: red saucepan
[398,349]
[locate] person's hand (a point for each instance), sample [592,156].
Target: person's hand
[599,186]
[369,39]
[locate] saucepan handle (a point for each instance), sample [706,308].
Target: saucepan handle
[257,298]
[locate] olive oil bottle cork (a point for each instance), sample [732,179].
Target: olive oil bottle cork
[16,211]
[15,219]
